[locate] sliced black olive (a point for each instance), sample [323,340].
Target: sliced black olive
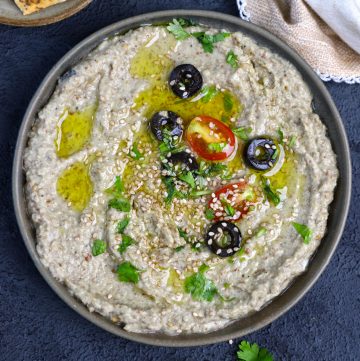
[185,81]
[166,121]
[184,158]
[223,238]
[261,153]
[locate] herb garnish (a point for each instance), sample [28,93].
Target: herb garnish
[228,102]
[120,228]
[135,153]
[128,273]
[281,136]
[252,352]
[260,232]
[242,132]
[271,195]
[176,28]
[292,141]
[200,287]
[98,247]
[304,231]
[229,210]
[121,204]
[116,189]
[126,241]
[216,147]
[232,59]
[188,178]
[209,214]
[208,93]
[207,41]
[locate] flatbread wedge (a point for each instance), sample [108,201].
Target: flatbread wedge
[31,6]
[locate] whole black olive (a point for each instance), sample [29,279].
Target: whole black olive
[261,153]
[166,121]
[223,238]
[184,158]
[185,81]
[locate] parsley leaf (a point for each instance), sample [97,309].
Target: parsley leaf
[183,234]
[200,287]
[128,273]
[120,228]
[271,195]
[208,93]
[304,231]
[207,41]
[252,352]
[98,247]
[188,178]
[232,59]
[230,211]
[121,204]
[179,248]
[292,141]
[117,188]
[186,22]
[196,194]
[176,28]
[243,132]
[216,147]
[125,243]
[209,214]
[281,136]
[228,102]
[135,153]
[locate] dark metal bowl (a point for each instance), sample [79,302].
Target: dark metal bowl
[323,105]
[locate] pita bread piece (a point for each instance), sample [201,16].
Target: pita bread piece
[31,6]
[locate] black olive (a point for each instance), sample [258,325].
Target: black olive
[185,81]
[223,238]
[261,153]
[166,121]
[184,158]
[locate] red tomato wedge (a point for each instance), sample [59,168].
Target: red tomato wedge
[233,201]
[210,138]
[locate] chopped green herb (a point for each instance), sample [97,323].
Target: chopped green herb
[183,234]
[271,195]
[120,228]
[135,153]
[207,41]
[200,181]
[243,132]
[292,141]
[128,273]
[117,188]
[121,204]
[188,178]
[252,352]
[170,189]
[200,193]
[216,147]
[98,247]
[186,22]
[208,93]
[209,214]
[230,211]
[164,148]
[203,268]
[232,59]
[260,232]
[178,249]
[176,28]
[274,156]
[304,231]
[228,103]
[226,285]
[281,136]
[126,241]
[200,287]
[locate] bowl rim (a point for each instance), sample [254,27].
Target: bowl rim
[29,22]
[286,299]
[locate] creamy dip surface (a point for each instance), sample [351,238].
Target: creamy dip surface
[134,246]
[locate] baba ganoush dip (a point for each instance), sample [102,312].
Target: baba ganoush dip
[178,178]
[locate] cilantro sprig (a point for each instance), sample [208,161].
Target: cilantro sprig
[127,272]
[177,29]
[304,231]
[125,243]
[252,352]
[200,287]
[118,201]
[120,228]
[98,247]
[232,59]
[242,132]
[271,195]
[208,92]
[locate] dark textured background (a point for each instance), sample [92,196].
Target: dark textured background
[36,325]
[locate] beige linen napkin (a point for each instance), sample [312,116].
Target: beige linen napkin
[295,22]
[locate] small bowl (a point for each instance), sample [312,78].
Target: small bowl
[323,105]
[10,14]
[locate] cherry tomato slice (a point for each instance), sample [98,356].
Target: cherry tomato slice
[210,138]
[233,201]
